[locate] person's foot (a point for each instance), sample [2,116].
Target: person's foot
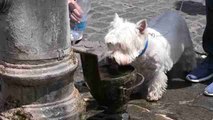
[201,73]
[209,90]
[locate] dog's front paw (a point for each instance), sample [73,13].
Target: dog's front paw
[154,95]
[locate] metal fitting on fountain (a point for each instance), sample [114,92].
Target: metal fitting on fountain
[36,60]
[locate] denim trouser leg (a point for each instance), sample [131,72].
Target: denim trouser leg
[208,33]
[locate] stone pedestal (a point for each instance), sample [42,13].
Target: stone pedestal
[36,60]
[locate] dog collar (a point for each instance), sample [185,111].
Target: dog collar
[144,50]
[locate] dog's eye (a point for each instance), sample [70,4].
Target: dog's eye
[118,45]
[110,45]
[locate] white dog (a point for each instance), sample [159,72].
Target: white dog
[152,50]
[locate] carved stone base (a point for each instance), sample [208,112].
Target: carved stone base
[46,90]
[70,108]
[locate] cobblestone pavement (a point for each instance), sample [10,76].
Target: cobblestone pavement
[183,100]
[102,13]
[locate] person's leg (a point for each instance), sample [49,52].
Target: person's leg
[204,71]
[208,36]
[208,41]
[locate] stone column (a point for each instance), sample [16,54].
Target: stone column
[36,59]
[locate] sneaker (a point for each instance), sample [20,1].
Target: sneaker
[201,73]
[209,90]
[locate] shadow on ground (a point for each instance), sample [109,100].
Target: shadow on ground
[177,78]
[191,8]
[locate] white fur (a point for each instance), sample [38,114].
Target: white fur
[168,42]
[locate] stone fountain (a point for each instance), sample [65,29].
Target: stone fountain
[109,83]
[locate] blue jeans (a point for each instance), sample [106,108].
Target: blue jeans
[208,33]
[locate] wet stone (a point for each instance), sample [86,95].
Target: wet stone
[136,110]
[162,117]
[204,102]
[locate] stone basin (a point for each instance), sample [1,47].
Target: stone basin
[110,85]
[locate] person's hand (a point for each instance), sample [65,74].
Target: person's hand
[75,11]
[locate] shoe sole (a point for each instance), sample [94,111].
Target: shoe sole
[200,80]
[207,94]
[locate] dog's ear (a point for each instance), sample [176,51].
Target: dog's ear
[117,21]
[142,25]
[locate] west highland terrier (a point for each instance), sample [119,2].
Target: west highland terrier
[152,49]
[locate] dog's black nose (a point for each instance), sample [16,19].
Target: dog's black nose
[111,60]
